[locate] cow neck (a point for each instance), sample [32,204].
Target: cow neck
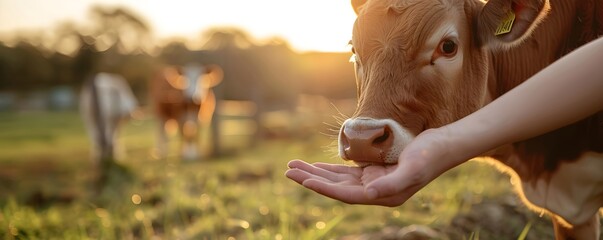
[549,42]
[507,69]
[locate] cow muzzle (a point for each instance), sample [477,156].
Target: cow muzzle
[369,141]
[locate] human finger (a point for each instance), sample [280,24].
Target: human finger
[340,168]
[394,183]
[316,169]
[351,193]
[299,176]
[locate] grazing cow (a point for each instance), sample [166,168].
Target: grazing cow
[184,94]
[106,101]
[421,64]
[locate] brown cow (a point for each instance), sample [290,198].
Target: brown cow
[184,94]
[421,64]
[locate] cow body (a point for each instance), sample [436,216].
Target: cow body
[106,101]
[184,94]
[554,167]
[423,64]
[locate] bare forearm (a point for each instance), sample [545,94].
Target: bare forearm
[563,93]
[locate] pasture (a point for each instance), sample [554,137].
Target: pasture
[45,192]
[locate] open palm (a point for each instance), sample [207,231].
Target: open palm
[345,183]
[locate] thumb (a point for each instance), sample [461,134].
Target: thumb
[388,185]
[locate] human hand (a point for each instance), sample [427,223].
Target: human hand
[352,184]
[387,185]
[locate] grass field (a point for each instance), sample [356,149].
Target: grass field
[46,178]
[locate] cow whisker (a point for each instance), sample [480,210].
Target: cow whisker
[331,149]
[340,117]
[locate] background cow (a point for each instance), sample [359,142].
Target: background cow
[423,64]
[184,94]
[106,102]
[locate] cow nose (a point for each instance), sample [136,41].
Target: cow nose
[366,142]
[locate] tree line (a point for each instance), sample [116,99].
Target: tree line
[117,41]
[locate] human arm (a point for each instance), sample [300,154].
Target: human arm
[565,92]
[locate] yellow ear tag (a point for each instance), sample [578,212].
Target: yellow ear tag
[506,25]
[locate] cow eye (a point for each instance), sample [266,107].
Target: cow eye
[352,47]
[448,48]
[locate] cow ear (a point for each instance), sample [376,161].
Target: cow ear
[508,22]
[214,75]
[357,4]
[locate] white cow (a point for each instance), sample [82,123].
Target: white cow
[106,101]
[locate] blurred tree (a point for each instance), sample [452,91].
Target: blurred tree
[62,69]
[226,37]
[277,74]
[67,39]
[175,53]
[121,27]
[8,64]
[31,68]
[263,73]
[85,60]
[138,69]
[327,74]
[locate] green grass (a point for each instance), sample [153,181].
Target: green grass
[46,191]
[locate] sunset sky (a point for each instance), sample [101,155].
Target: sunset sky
[308,25]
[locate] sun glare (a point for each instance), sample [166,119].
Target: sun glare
[311,25]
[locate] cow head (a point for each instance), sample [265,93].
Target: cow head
[421,64]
